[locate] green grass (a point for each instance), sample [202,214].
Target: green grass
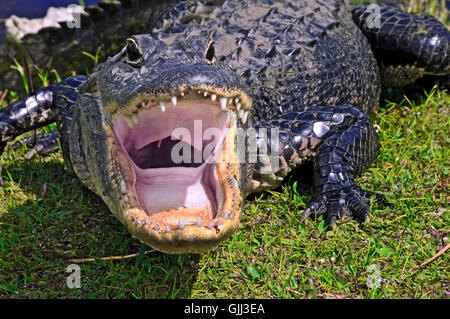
[47,219]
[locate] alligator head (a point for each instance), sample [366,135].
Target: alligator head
[155,134]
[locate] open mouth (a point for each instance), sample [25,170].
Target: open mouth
[178,170]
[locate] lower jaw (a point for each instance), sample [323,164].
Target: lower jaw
[162,231]
[191,239]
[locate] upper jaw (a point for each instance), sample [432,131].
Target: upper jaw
[182,229]
[229,99]
[152,84]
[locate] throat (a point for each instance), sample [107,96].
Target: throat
[165,153]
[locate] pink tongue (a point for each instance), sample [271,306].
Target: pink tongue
[163,189]
[167,196]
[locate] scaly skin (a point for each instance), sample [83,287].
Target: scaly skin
[300,75]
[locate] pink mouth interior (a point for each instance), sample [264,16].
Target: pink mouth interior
[155,147]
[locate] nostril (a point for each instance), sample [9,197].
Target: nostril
[134,53]
[210,53]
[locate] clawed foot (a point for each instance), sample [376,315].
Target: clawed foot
[43,144]
[353,202]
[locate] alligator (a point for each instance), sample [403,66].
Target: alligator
[223,99]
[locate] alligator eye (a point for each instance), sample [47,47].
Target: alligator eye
[134,54]
[210,53]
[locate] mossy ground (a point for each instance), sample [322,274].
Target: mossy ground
[48,219]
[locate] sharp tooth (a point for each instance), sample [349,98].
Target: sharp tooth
[182,93]
[219,225]
[199,92]
[241,113]
[238,106]
[174,100]
[167,228]
[223,103]
[163,106]
[199,222]
[210,225]
[236,100]
[123,187]
[244,117]
[135,118]
[213,97]
[129,121]
[143,104]
[156,228]
[180,224]
[230,101]
[231,215]
[205,94]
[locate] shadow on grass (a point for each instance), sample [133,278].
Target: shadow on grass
[415,92]
[49,220]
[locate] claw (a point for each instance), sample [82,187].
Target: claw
[316,208]
[379,198]
[358,208]
[354,201]
[43,148]
[332,222]
[32,153]
[335,212]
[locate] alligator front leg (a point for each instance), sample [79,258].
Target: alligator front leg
[341,143]
[348,147]
[38,109]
